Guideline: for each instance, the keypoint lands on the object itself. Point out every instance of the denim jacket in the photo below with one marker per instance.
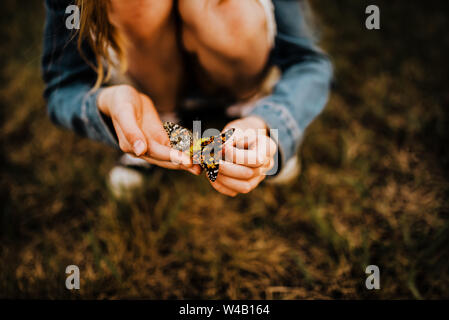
(298, 97)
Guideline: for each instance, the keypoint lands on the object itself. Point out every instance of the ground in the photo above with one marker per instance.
(373, 189)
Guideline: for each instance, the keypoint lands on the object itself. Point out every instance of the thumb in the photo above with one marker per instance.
(130, 128)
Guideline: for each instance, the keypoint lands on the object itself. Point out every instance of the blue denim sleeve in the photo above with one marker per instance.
(69, 79)
(302, 92)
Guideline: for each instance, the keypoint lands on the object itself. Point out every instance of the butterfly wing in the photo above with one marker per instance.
(225, 136)
(212, 171)
(210, 159)
(180, 137)
(210, 154)
(206, 141)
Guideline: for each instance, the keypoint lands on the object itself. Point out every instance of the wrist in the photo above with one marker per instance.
(103, 99)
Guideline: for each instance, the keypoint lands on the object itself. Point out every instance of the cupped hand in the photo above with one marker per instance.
(248, 156)
(139, 129)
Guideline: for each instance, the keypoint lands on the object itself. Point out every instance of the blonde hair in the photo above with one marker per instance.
(102, 36)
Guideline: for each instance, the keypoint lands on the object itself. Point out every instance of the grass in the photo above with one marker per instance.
(373, 190)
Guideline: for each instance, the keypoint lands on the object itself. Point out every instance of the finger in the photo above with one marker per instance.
(222, 189)
(161, 152)
(250, 158)
(237, 171)
(240, 186)
(163, 164)
(124, 145)
(265, 147)
(268, 167)
(271, 147)
(196, 169)
(154, 150)
(244, 139)
(126, 120)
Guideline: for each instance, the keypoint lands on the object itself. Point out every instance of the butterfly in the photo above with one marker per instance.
(204, 151)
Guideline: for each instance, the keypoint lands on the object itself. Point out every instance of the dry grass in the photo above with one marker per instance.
(373, 190)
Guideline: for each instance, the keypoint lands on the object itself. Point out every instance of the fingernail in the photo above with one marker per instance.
(139, 147)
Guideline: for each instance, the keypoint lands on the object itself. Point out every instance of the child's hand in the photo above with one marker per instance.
(139, 129)
(248, 156)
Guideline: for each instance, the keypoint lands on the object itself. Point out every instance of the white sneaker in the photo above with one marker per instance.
(122, 181)
(127, 176)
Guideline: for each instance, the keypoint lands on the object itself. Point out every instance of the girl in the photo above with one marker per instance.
(135, 62)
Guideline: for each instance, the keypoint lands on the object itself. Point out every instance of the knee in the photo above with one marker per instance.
(234, 29)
